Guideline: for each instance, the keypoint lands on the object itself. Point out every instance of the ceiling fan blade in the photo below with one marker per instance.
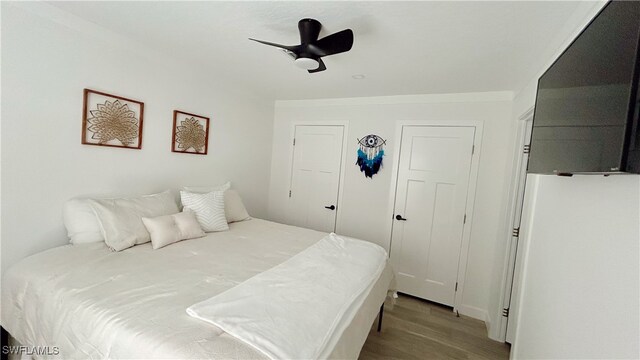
(321, 67)
(290, 48)
(309, 30)
(334, 44)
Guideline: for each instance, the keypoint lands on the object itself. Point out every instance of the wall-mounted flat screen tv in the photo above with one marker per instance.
(587, 105)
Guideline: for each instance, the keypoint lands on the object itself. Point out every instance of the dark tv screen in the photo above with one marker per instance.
(584, 100)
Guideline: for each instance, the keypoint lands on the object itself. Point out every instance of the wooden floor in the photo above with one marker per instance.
(418, 329)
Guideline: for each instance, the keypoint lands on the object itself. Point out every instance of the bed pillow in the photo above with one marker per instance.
(207, 189)
(168, 229)
(81, 222)
(209, 209)
(121, 219)
(234, 208)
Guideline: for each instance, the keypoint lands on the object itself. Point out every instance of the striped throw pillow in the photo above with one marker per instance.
(209, 209)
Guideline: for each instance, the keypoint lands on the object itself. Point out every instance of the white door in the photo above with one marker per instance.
(315, 176)
(429, 216)
(514, 269)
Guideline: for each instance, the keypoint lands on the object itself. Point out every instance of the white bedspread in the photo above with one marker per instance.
(299, 309)
(93, 303)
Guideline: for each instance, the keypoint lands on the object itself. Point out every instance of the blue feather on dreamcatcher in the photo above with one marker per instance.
(370, 154)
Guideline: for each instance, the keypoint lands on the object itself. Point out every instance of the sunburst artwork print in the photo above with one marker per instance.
(190, 133)
(111, 120)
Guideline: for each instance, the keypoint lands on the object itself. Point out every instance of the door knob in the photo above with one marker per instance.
(399, 217)
(332, 207)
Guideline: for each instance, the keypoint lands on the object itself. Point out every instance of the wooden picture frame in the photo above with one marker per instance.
(111, 120)
(190, 133)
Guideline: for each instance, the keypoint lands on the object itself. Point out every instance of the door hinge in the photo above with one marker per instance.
(464, 221)
(289, 193)
(294, 141)
(473, 149)
(526, 149)
(505, 312)
(456, 286)
(516, 232)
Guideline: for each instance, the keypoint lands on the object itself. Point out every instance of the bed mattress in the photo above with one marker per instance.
(91, 302)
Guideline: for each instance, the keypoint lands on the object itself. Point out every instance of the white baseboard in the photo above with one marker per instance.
(476, 313)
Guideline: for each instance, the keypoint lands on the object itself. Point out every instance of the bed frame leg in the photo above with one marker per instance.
(380, 317)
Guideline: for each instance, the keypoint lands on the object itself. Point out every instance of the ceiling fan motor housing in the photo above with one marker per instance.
(309, 30)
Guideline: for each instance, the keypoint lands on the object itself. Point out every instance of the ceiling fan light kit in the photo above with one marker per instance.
(308, 55)
(306, 63)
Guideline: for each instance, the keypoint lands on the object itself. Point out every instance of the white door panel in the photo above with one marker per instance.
(315, 176)
(431, 193)
(515, 254)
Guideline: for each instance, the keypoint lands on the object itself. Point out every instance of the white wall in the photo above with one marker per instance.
(365, 209)
(580, 248)
(46, 65)
(580, 292)
(523, 101)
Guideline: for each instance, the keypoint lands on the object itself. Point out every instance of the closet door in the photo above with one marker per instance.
(429, 214)
(315, 176)
(514, 275)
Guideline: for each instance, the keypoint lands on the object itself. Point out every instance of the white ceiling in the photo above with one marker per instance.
(400, 47)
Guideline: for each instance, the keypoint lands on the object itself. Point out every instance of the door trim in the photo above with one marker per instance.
(471, 190)
(343, 157)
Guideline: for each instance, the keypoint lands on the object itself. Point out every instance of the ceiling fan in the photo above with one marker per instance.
(308, 55)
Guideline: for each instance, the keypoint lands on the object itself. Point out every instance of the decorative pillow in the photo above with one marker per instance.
(121, 219)
(207, 189)
(81, 222)
(234, 208)
(168, 229)
(209, 209)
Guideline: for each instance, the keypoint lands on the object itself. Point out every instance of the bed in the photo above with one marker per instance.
(91, 302)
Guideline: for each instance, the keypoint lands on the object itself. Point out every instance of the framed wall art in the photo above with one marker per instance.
(110, 120)
(190, 133)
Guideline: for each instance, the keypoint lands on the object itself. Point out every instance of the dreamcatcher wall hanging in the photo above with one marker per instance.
(370, 154)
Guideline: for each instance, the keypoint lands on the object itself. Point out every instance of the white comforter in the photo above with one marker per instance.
(94, 303)
(299, 309)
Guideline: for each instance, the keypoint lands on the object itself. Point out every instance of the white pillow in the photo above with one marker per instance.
(207, 189)
(81, 222)
(121, 219)
(209, 209)
(168, 229)
(234, 208)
